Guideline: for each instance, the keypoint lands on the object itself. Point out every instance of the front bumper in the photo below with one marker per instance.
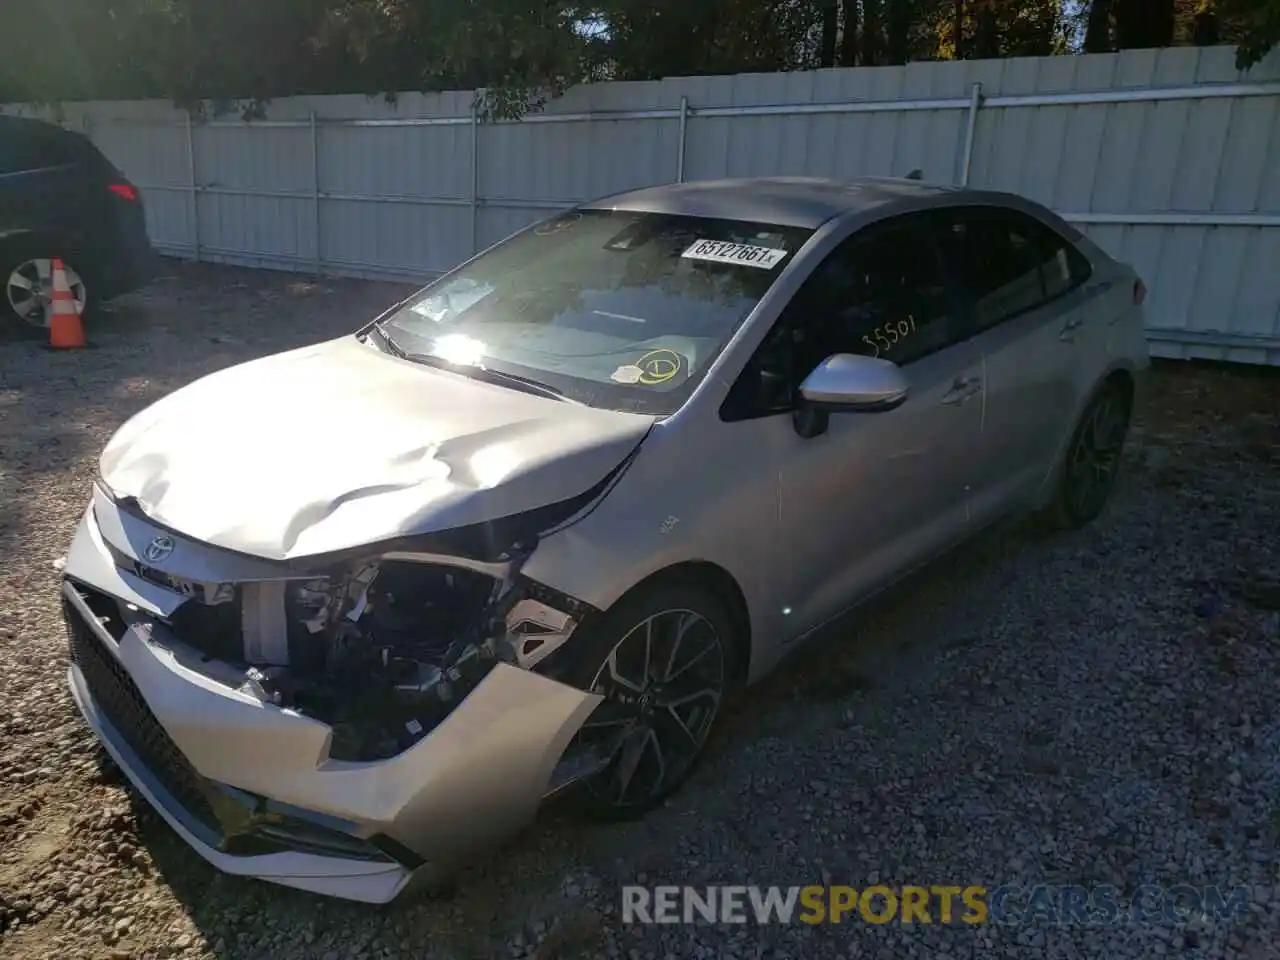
(250, 786)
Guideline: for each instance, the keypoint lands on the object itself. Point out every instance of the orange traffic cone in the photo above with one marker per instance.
(65, 329)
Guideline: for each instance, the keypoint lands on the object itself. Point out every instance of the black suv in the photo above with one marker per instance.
(60, 197)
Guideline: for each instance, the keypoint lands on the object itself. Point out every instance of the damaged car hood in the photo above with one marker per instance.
(337, 445)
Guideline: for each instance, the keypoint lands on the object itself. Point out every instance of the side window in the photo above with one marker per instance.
(52, 150)
(1065, 267)
(882, 293)
(20, 152)
(1006, 263)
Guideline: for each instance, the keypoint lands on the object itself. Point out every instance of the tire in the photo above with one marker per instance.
(655, 729)
(1092, 463)
(26, 282)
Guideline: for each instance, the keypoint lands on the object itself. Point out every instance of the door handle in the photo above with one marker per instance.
(962, 390)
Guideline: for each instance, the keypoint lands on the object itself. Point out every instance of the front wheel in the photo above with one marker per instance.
(1093, 459)
(663, 661)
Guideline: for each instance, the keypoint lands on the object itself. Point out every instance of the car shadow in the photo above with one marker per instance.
(853, 652)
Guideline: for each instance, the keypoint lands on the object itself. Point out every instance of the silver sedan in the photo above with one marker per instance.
(348, 614)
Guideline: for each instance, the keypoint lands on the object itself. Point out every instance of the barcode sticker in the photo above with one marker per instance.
(742, 254)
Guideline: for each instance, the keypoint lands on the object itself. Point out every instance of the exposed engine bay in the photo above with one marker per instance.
(380, 651)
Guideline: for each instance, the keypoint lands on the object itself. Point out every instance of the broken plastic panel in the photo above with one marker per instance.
(381, 651)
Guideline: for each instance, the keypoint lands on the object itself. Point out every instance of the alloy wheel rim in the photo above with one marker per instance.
(1095, 458)
(29, 290)
(663, 684)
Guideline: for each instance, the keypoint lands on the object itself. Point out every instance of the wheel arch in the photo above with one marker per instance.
(1123, 378)
(1120, 374)
(720, 582)
(34, 241)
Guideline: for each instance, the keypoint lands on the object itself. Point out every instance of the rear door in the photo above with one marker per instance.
(1025, 292)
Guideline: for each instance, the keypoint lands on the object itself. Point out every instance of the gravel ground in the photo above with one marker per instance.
(1096, 708)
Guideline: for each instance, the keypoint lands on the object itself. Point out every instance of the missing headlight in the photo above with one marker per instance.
(383, 651)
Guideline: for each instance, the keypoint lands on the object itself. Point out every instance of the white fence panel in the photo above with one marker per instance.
(1170, 159)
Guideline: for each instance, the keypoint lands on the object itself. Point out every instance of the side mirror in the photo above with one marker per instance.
(848, 383)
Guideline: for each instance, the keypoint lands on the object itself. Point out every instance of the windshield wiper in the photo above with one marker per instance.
(476, 372)
(393, 348)
(515, 380)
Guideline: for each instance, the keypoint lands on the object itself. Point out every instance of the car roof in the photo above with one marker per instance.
(805, 202)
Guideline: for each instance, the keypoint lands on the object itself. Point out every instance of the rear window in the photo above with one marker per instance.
(614, 309)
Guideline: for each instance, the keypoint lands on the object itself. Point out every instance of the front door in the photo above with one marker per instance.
(880, 493)
(876, 493)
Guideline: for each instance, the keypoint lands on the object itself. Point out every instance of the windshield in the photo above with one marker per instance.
(612, 309)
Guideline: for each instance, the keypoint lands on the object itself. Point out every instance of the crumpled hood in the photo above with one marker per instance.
(337, 445)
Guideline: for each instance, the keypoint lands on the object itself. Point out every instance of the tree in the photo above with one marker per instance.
(1097, 36)
(986, 34)
(648, 39)
(1143, 23)
(521, 50)
(1253, 25)
(849, 34)
(872, 37)
(214, 53)
(1205, 29)
(830, 28)
(899, 15)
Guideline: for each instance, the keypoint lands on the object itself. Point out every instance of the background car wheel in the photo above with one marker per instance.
(663, 659)
(26, 287)
(1093, 459)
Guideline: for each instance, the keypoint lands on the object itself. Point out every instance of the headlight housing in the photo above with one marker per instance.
(383, 649)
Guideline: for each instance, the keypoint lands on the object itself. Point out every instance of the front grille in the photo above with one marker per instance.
(118, 697)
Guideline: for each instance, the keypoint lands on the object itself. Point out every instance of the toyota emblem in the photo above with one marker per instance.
(158, 549)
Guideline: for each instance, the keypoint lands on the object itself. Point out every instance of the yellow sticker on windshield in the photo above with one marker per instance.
(659, 366)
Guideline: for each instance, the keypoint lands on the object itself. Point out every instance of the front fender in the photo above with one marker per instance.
(662, 513)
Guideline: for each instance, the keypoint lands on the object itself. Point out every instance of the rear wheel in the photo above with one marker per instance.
(27, 278)
(1093, 459)
(662, 660)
